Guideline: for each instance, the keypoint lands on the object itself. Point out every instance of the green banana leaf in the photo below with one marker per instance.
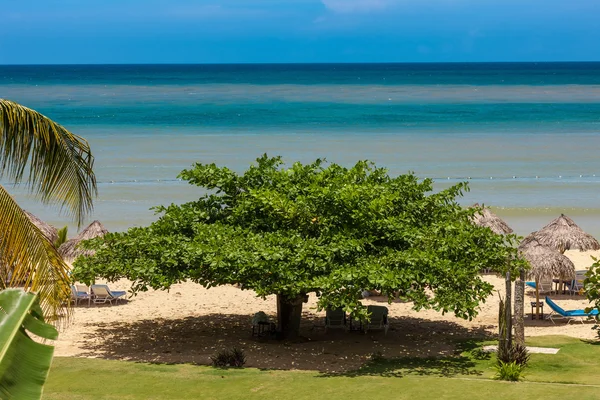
(24, 363)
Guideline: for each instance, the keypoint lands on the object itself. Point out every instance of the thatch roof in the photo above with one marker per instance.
(563, 234)
(70, 251)
(488, 219)
(546, 262)
(48, 230)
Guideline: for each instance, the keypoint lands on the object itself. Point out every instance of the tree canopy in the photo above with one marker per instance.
(319, 228)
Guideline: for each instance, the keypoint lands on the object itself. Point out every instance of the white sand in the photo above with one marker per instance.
(189, 323)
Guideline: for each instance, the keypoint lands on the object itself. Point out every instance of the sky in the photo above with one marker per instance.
(284, 31)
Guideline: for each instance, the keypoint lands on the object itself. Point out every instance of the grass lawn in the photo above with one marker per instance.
(573, 372)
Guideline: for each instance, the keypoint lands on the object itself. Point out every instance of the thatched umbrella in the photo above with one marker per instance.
(546, 263)
(70, 250)
(48, 230)
(563, 234)
(488, 219)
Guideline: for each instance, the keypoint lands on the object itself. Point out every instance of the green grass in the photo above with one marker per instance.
(464, 376)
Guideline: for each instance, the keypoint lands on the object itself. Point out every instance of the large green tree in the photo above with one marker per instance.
(309, 228)
(56, 165)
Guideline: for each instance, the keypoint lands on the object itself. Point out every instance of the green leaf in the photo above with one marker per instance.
(24, 363)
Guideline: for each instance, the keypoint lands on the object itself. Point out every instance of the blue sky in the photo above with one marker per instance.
(234, 31)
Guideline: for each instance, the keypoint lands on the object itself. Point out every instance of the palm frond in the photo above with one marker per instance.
(29, 260)
(61, 236)
(60, 163)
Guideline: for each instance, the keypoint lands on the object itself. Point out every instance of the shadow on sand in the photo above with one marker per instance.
(431, 347)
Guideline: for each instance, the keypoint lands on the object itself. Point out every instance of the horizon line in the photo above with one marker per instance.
(307, 63)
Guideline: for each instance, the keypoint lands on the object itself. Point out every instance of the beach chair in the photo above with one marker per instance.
(102, 294)
(262, 325)
(545, 286)
(335, 319)
(559, 313)
(576, 285)
(378, 320)
(79, 293)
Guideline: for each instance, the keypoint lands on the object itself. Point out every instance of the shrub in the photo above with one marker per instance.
(229, 358)
(516, 353)
(508, 371)
(520, 355)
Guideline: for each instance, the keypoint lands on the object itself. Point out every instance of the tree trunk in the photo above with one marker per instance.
(289, 315)
(508, 310)
(520, 309)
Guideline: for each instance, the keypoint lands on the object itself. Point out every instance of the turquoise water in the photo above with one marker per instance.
(524, 135)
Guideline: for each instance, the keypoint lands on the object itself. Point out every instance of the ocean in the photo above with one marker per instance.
(524, 135)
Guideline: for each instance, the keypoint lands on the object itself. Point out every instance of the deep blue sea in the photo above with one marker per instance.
(525, 135)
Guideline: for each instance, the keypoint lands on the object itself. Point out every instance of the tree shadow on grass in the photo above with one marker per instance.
(400, 367)
(462, 363)
(422, 345)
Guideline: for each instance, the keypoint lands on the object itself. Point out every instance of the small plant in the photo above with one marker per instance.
(516, 353)
(229, 358)
(520, 355)
(508, 371)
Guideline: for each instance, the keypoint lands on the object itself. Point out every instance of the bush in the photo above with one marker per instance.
(516, 353)
(508, 371)
(229, 358)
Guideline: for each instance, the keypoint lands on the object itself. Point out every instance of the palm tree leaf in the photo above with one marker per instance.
(28, 259)
(24, 363)
(60, 163)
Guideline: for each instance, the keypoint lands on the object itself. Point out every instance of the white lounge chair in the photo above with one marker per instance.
(577, 284)
(545, 286)
(102, 294)
(378, 318)
(79, 293)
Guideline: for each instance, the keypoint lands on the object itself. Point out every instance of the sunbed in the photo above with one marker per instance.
(545, 286)
(79, 293)
(559, 313)
(378, 318)
(102, 294)
(335, 319)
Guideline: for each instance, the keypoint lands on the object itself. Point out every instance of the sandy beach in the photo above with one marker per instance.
(189, 323)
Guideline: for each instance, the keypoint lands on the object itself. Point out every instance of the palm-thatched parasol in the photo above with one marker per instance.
(48, 230)
(546, 263)
(488, 219)
(70, 250)
(563, 234)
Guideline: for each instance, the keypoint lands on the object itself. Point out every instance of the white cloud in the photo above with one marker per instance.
(352, 6)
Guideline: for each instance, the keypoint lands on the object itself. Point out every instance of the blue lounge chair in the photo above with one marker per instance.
(559, 313)
(79, 293)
